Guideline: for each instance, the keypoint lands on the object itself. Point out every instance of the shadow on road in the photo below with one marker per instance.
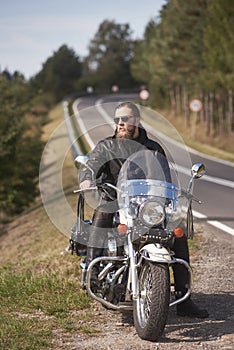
(219, 323)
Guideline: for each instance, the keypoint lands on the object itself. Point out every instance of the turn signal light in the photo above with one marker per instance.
(178, 232)
(122, 229)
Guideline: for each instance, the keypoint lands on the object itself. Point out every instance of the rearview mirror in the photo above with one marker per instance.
(198, 170)
(81, 159)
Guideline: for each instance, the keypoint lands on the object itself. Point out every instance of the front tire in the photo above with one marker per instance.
(150, 310)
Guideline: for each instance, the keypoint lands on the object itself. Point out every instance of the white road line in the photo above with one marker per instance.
(71, 136)
(208, 178)
(221, 226)
(81, 124)
(214, 223)
(105, 115)
(219, 181)
(199, 215)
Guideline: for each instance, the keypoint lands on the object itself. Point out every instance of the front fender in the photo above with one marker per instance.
(156, 253)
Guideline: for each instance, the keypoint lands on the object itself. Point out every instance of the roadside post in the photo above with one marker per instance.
(115, 88)
(144, 96)
(195, 106)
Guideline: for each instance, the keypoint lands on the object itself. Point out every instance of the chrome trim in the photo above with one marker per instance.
(118, 272)
(149, 187)
(126, 307)
(142, 208)
(185, 263)
(132, 269)
(105, 271)
(88, 286)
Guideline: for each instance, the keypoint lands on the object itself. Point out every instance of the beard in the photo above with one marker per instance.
(126, 134)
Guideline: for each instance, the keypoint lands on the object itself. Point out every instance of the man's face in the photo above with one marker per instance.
(126, 128)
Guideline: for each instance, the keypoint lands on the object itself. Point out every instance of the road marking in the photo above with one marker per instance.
(208, 178)
(199, 215)
(219, 181)
(108, 119)
(75, 147)
(81, 124)
(221, 226)
(214, 223)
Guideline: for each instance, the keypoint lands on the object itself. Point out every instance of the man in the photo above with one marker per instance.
(106, 160)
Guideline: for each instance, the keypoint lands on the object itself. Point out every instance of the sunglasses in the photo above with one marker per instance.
(124, 118)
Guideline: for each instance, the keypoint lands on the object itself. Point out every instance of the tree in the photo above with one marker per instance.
(110, 53)
(20, 148)
(188, 52)
(140, 62)
(219, 58)
(59, 74)
(219, 42)
(171, 53)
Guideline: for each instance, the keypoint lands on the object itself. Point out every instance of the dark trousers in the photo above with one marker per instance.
(181, 274)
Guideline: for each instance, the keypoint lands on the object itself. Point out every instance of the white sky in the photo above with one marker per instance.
(31, 30)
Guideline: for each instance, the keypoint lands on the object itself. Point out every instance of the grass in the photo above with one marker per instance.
(36, 301)
(217, 146)
(40, 296)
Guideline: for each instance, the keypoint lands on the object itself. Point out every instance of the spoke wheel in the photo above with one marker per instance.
(150, 310)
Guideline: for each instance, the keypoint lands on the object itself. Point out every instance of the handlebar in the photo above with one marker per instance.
(101, 187)
(86, 189)
(190, 196)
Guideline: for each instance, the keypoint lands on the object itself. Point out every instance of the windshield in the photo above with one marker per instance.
(148, 175)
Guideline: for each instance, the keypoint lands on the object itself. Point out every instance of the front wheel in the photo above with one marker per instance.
(150, 309)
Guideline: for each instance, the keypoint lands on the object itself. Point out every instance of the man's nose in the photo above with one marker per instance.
(120, 121)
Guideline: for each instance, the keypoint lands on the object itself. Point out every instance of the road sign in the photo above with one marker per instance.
(89, 89)
(115, 88)
(144, 94)
(195, 105)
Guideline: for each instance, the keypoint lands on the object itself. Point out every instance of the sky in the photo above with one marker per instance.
(32, 30)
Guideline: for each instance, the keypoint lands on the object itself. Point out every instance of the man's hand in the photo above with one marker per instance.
(85, 184)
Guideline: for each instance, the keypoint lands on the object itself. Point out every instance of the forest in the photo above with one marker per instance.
(186, 52)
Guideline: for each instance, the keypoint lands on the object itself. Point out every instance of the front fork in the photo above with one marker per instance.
(133, 273)
(133, 278)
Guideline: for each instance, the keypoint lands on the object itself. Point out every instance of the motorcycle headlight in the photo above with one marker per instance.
(151, 213)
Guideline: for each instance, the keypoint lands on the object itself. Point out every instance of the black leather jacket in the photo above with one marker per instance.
(109, 155)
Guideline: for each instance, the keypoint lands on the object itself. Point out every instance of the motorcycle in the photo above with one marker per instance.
(134, 272)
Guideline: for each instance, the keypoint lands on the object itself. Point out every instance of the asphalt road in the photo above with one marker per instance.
(215, 189)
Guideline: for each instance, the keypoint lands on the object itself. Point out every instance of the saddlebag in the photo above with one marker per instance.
(79, 237)
(80, 230)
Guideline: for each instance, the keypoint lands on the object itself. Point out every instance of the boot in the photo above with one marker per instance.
(190, 309)
(181, 276)
(102, 220)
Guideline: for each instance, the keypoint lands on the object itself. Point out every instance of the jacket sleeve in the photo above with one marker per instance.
(97, 161)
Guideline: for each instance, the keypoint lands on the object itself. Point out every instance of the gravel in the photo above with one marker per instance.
(212, 289)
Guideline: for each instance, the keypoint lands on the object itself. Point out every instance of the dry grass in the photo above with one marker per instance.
(39, 290)
(220, 146)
